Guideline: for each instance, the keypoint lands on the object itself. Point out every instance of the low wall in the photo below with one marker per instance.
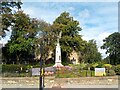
(63, 82)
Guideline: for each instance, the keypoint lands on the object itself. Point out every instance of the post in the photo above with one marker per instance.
(41, 83)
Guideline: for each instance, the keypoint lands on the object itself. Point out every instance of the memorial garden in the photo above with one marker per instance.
(37, 48)
(58, 45)
(33, 40)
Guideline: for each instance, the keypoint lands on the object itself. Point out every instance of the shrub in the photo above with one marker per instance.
(92, 73)
(15, 70)
(48, 65)
(36, 66)
(29, 67)
(86, 67)
(110, 73)
(79, 66)
(82, 65)
(93, 66)
(64, 73)
(117, 69)
(9, 68)
(86, 73)
(100, 65)
(12, 68)
(113, 67)
(108, 66)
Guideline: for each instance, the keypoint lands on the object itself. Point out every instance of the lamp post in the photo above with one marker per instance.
(41, 78)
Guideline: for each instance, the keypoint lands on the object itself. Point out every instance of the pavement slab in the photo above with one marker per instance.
(57, 83)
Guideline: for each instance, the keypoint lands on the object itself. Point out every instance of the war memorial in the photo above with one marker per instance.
(59, 45)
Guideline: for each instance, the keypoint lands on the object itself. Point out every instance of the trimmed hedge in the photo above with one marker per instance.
(11, 68)
(110, 73)
(117, 69)
(78, 70)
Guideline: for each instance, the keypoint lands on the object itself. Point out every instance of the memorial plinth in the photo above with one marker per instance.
(58, 56)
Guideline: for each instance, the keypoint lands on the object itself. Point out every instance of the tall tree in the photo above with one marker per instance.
(91, 54)
(22, 40)
(45, 39)
(7, 9)
(70, 38)
(112, 45)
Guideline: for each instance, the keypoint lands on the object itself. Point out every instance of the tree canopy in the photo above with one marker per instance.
(70, 38)
(7, 9)
(29, 33)
(91, 54)
(112, 46)
(23, 39)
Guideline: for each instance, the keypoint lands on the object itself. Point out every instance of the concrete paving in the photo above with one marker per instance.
(52, 82)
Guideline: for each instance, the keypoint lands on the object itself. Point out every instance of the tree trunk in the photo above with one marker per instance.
(18, 59)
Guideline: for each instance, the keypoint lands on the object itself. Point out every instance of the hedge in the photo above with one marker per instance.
(14, 68)
(117, 69)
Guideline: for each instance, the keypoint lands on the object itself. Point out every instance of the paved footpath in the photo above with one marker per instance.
(58, 83)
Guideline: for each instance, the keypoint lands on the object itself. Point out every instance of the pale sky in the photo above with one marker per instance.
(97, 19)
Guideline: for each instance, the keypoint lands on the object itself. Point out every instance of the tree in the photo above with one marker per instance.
(112, 46)
(91, 54)
(22, 40)
(70, 38)
(27, 33)
(106, 60)
(7, 9)
(45, 39)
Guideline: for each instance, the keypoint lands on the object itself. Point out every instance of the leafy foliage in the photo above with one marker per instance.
(112, 45)
(28, 33)
(23, 38)
(8, 8)
(70, 38)
(90, 53)
(117, 69)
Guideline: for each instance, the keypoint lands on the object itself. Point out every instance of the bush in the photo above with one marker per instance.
(81, 66)
(36, 66)
(108, 66)
(9, 68)
(29, 67)
(100, 65)
(48, 65)
(15, 70)
(82, 73)
(12, 68)
(64, 73)
(86, 67)
(93, 66)
(117, 69)
(110, 73)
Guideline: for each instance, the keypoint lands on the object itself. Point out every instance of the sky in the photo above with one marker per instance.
(97, 19)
